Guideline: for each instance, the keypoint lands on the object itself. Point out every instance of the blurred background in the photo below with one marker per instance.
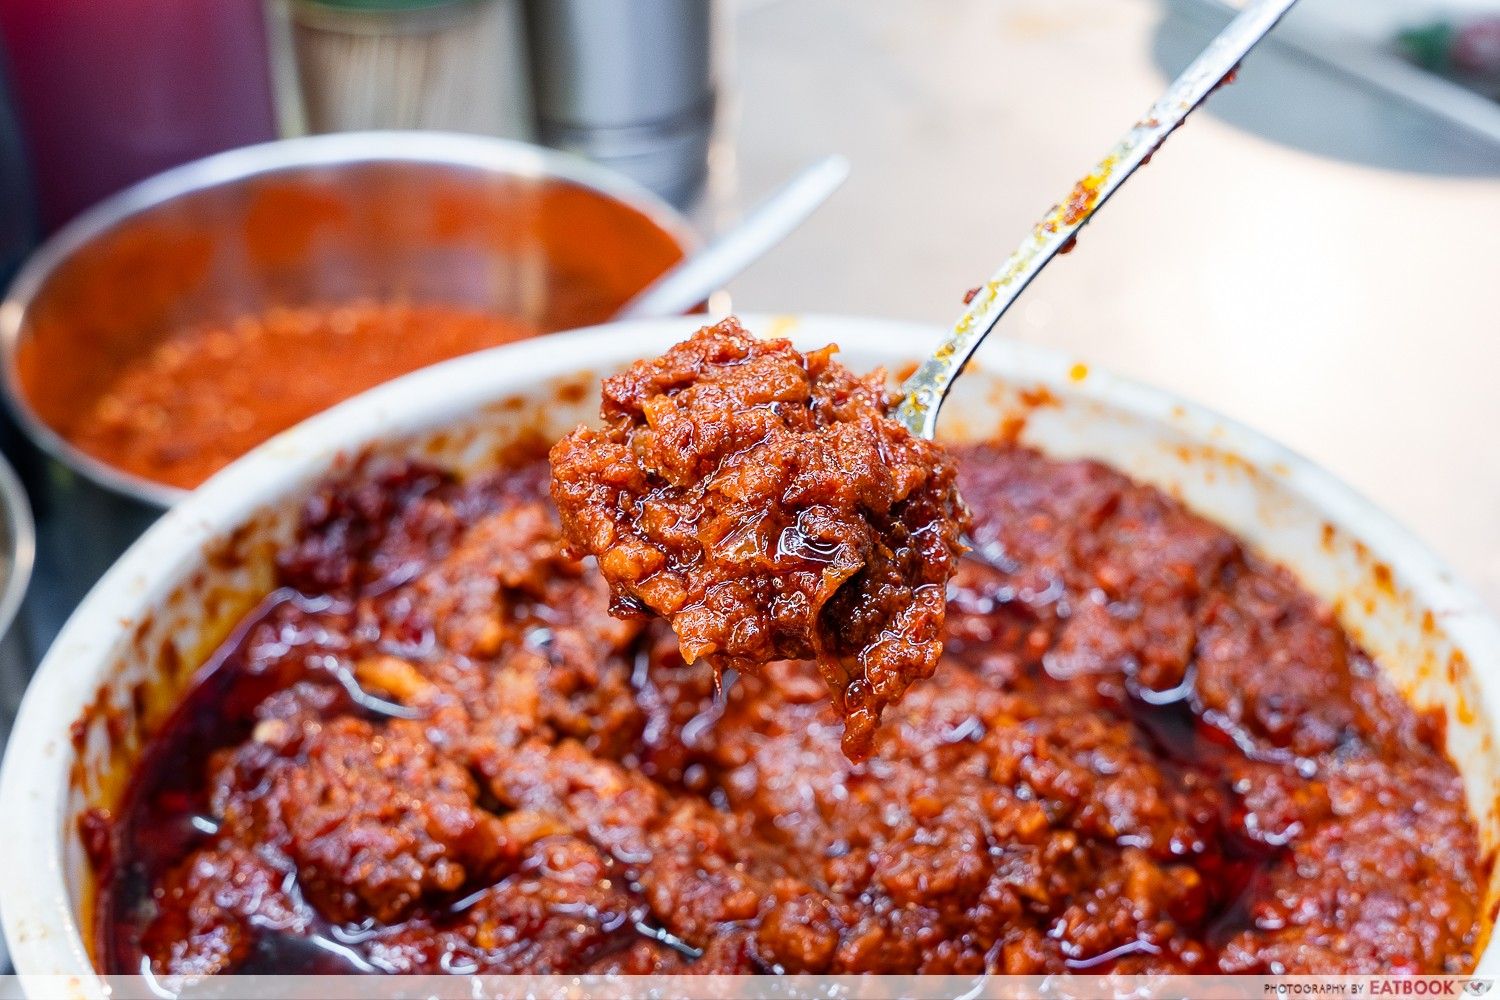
(1317, 255)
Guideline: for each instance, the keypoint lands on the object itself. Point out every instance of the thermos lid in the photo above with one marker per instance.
(619, 63)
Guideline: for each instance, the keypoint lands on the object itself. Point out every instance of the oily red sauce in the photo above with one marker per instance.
(434, 750)
(762, 501)
(198, 400)
(191, 284)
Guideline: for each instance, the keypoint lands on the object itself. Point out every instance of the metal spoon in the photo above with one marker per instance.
(923, 393)
(691, 281)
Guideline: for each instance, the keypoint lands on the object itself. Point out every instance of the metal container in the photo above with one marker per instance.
(628, 83)
(17, 554)
(429, 217)
(343, 65)
(17, 551)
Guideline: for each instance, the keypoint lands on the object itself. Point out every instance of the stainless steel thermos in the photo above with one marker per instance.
(629, 83)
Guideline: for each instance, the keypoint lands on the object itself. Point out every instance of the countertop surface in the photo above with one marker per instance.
(1308, 256)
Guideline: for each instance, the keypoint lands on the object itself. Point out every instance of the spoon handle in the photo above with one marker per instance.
(693, 280)
(923, 393)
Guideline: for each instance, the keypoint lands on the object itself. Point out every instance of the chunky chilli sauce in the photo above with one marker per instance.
(761, 500)
(433, 749)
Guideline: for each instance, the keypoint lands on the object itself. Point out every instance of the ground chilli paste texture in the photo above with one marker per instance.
(763, 503)
(182, 410)
(434, 750)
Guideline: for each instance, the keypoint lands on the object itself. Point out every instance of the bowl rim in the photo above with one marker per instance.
(44, 935)
(477, 152)
(20, 540)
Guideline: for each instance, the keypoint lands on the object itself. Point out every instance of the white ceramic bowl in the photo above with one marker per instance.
(129, 651)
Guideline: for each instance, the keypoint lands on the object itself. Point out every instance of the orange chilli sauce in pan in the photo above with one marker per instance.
(201, 399)
(174, 343)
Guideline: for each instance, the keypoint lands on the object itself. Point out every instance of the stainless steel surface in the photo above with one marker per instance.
(620, 63)
(17, 554)
(458, 65)
(17, 557)
(1365, 337)
(762, 228)
(924, 392)
(629, 83)
(421, 216)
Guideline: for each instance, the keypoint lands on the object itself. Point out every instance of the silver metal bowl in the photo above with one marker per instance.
(17, 554)
(426, 217)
